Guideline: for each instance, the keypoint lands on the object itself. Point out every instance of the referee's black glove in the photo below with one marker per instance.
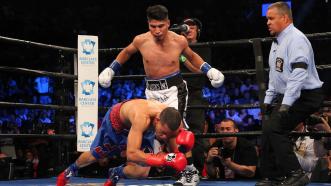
(283, 109)
(266, 109)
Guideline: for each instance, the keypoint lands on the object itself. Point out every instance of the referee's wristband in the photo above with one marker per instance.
(116, 66)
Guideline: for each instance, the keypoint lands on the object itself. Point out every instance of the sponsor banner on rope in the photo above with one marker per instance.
(87, 100)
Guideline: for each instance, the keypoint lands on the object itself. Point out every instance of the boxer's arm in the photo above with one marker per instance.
(193, 57)
(192, 68)
(135, 137)
(134, 154)
(106, 76)
(215, 76)
(183, 60)
(173, 145)
(128, 51)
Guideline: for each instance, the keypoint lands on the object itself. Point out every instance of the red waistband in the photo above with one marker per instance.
(115, 118)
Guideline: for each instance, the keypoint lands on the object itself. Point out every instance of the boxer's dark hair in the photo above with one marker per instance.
(171, 117)
(157, 12)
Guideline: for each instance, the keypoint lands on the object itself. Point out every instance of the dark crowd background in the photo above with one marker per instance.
(59, 23)
(116, 24)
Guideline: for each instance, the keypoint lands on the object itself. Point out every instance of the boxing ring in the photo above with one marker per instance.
(259, 71)
(130, 182)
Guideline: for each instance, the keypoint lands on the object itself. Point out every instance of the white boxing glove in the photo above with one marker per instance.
(215, 76)
(105, 77)
(108, 73)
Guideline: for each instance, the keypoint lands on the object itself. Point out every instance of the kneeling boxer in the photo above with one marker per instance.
(132, 126)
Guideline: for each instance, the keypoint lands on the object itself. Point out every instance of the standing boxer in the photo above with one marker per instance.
(160, 50)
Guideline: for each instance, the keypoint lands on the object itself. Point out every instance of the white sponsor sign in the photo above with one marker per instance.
(87, 102)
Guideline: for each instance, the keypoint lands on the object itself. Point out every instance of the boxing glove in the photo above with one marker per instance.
(175, 160)
(185, 140)
(108, 73)
(215, 76)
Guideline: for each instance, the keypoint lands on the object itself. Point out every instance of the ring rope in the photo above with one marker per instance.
(42, 45)
(236, 106)
(135, 77)
(74, 108)
(38, 72)
(258, 133)
(198, 135)
(105, 50)
(53, 136)
(200, 44)
(38, 106)
(250, 41)
(214, 43)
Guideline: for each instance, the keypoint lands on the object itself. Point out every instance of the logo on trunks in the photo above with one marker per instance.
(88, 46)
(87, 129)
(157, 84)
(87, 87)
(170, 156)
(279, 64)
(162, 98)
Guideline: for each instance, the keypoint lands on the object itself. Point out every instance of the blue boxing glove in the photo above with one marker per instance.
(215, 76)
(108, 73)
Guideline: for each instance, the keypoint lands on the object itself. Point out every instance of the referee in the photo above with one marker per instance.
(296, 88)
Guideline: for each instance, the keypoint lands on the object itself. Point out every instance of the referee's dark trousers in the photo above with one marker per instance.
(277, 156)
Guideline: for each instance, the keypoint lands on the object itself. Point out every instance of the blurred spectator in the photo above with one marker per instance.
(43, 88)
(231, 157)
(41, 84)
(3, 155)
(50, 131)
(245, 99)
(311, 154)
(5, 161)
(322, 145)
(45, 117)
(248, 86)
(234, 115)
(39, 90)
(12, 90)
(304, 148)
(31, 164)
(255, 112)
